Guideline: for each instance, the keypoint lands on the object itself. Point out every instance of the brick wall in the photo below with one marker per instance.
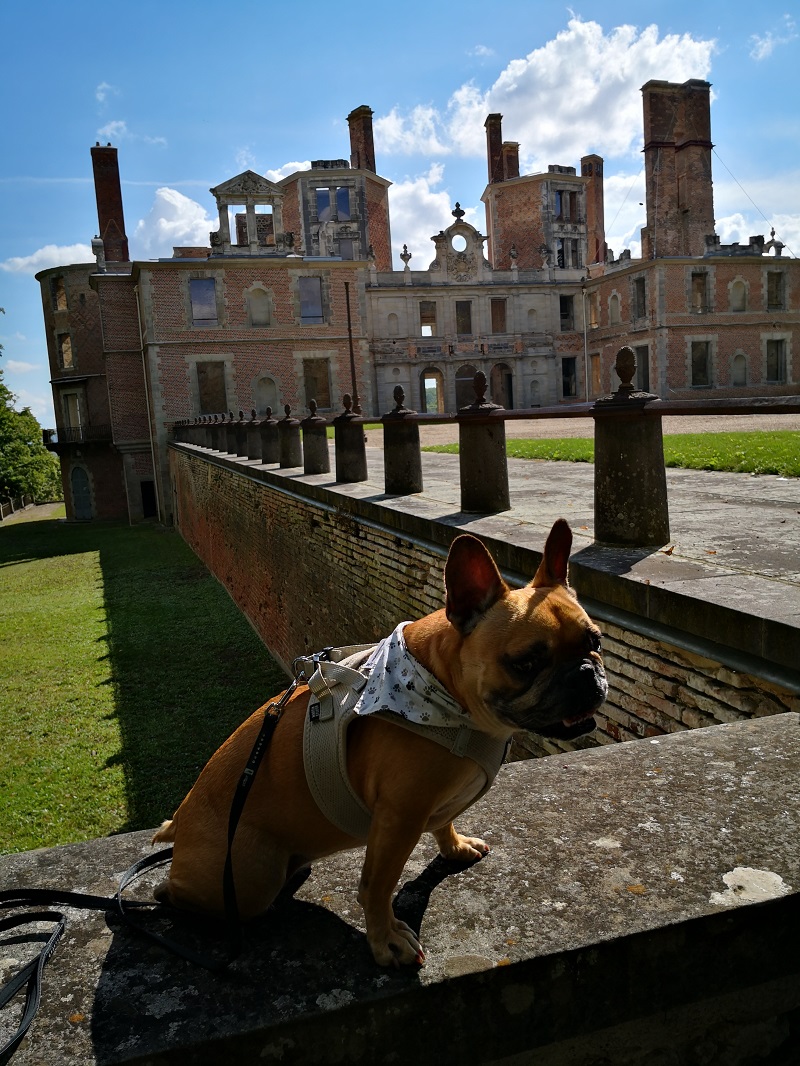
(308, 574)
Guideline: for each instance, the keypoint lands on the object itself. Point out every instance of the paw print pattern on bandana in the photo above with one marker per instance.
(399, 684)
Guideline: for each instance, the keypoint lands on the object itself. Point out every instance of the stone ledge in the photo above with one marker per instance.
(607, 926)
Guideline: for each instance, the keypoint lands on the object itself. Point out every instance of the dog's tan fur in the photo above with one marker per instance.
(476, 647)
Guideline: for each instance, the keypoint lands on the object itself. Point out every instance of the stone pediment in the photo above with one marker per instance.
(459, 253)
(247, 186)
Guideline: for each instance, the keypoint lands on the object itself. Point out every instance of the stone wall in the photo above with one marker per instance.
(309, 574)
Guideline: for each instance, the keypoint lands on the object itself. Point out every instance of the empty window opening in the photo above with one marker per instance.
(464, 317)
(568, 255)
(432, 391)
(70, 405)
(149, 508)
(265, 226)
(203, 297)
(639, 298)
(310, 301)
(566, 205)
(65, 355)
(343, 204)
(701, 364)
(566, 309)
(346, 248)
(775, 293)
(642, 367)
(776, 361)
(700, 293)
(58, 294)
(569, 377)
(427, 318)
(498, 308)
(211, 392)
(316, 381)
(502, 385)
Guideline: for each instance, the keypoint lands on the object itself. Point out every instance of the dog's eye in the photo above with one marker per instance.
(527, 666)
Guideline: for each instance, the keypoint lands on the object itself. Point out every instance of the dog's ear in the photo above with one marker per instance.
(472, 581)
(555, 561)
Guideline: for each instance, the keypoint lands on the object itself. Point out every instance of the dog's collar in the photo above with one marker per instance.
(399, 684)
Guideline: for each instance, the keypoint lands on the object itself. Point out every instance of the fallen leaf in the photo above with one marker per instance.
(711, 552)
(668, 551)
(77, 1018)
(637, 890)
(504, 962)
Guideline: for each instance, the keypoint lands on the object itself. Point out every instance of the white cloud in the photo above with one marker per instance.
(419, 209)
(50, 256)
(481, 51)
(40, 404)
(245, 160)
(286, 170)
(117, 130)
(420, 133)
(762, 46)
(578, 93)
(103, 91)
(17, 366)
(173, 220)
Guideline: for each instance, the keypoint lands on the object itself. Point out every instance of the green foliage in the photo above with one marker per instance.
(756, 452)
(27, 468)
(125, 665)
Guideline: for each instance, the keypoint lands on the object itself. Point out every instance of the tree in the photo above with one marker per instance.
(27, 468)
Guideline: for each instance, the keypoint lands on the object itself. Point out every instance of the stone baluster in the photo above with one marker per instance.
(630, 482)
(241, 435)
(482, 454)
(254, 437)
(316, 457)
(291, 449)
(351, 453)
(270, 438)
(402, 459)
(230, 435)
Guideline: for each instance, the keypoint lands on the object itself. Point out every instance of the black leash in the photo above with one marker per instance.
(30, 976)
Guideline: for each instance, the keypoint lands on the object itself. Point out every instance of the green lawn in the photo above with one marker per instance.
(124, 664)
(758, 452)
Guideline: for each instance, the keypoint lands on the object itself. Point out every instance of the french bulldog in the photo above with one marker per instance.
(511, 659)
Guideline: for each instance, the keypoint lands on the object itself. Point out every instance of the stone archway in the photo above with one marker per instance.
(502, 385)
(431, 389)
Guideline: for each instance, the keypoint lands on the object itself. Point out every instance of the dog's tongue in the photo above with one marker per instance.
(562, 731)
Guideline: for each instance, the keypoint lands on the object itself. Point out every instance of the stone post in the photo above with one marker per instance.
(482, 454)
(253, 437)
(289, 436)
(402, 459)
(630, 482)
(270, 438)
(217, 435)
(229, 443)
(316, 457)
(240, 430)
(351, 453)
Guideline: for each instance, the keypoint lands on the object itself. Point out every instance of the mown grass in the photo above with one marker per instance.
(123, 666)
(757, 452)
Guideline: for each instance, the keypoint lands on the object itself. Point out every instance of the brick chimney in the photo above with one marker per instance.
(592, 168)
(108, 193)
(510, 159)
(677, 156)
(494, 147)
(362, 148)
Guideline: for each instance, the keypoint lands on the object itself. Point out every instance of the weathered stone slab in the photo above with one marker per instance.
(640, 900)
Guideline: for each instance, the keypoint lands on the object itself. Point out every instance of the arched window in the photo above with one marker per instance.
(81, 494)
(258, 307)
(532, 320)
(738, 295)
(266, 395)
(431, 383)
(739, 369)
(465, 393)
(536, 394)
(394, 325)
(502, 385)
(613, 309)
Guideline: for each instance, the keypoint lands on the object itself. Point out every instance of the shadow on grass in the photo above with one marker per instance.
(185, 665)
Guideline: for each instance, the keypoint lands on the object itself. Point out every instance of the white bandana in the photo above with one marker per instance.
(401, 685)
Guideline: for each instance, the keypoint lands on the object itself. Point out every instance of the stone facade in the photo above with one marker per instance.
(539, 304)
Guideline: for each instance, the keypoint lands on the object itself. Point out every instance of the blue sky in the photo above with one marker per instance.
(193, 93)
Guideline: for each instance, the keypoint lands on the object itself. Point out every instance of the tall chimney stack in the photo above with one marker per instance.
(362, 148)
(108, 193)
(494, 147)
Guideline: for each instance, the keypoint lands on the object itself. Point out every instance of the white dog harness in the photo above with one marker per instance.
(385, 680)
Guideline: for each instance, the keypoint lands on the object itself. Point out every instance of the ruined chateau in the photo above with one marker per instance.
(297, 285)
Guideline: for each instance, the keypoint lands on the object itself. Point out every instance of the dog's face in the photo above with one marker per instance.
(530, 658)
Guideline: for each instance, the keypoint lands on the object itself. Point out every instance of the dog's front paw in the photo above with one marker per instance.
(399, 947)
(457, 848)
